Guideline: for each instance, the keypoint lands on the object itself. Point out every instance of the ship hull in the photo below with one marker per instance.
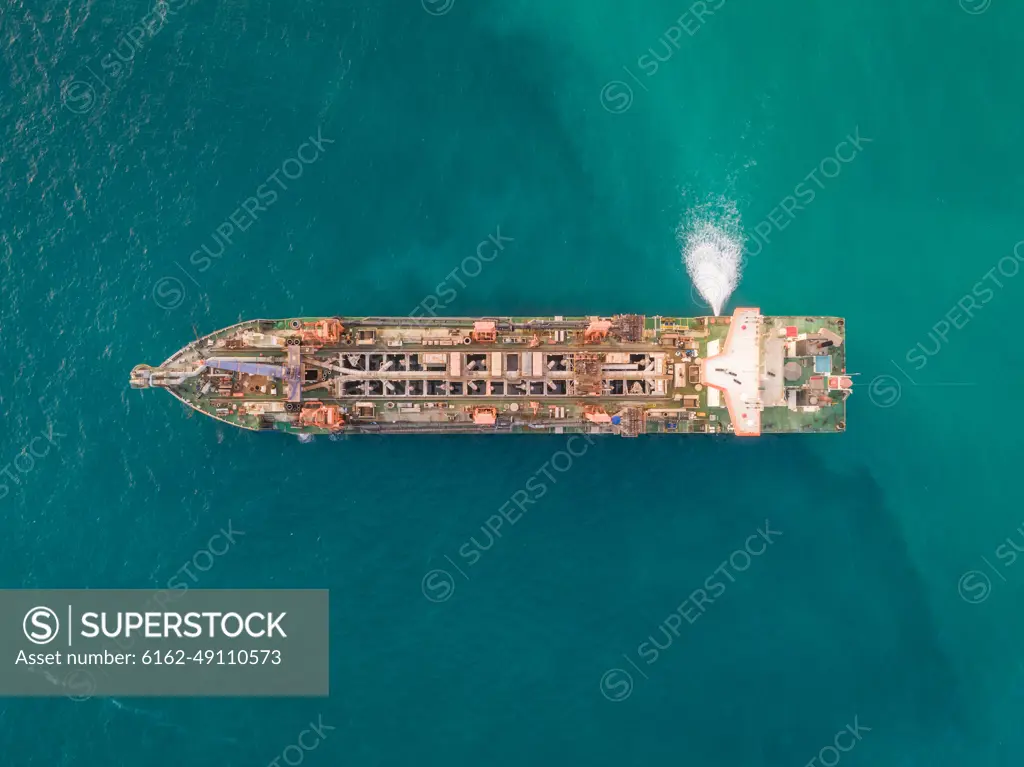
(747, 375)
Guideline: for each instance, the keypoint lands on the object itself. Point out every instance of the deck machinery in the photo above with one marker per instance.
(625, 374)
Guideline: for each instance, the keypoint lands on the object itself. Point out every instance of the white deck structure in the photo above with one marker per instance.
(737, 372)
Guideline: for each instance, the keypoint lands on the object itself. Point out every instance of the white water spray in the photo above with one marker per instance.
(712, 248)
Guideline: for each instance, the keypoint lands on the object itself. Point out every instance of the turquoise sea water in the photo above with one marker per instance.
(588, 132)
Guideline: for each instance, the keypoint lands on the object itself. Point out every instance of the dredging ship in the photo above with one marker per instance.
(625, 374)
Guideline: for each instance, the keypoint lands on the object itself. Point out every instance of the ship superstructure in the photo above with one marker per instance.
(625, 374)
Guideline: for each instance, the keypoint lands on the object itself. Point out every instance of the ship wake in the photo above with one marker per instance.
(712, 249)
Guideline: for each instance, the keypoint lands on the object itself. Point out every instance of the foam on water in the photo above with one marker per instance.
(711, 242)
